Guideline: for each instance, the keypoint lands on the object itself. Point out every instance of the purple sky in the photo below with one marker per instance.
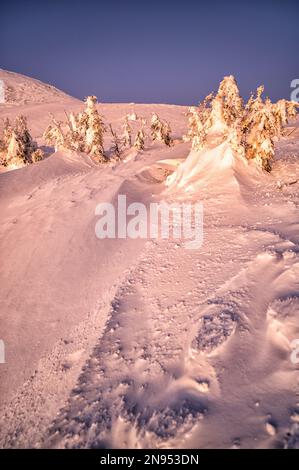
(152, 51)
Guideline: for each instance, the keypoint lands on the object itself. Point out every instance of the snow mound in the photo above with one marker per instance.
(219, 166)
(22, 181)
(20, 90)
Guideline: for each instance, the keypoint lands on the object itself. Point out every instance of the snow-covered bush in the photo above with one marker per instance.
(17, 147)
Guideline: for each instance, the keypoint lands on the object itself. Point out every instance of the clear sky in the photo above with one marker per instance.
(152, 51)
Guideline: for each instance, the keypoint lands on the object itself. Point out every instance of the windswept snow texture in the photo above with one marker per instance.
(144, 343)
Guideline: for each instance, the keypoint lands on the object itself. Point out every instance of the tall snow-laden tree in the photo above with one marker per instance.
(232, 103)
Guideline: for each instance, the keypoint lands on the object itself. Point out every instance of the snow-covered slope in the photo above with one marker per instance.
(143, 343)
(19, 90)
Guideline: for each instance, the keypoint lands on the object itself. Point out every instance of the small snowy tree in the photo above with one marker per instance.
(54, 135)
(166, 131)
(292, 107)
(4, 141)
(15, 157)
(160, 130)
(37, 155)
(139, 142)
(24, 136)
(199, 123)
(17, 146)
(127, 134)
(116, 143)
(192, 115)
(156, 128)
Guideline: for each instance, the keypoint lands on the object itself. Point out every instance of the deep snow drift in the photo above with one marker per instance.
(143, 343)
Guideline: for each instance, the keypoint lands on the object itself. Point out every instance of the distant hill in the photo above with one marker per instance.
(20, 90)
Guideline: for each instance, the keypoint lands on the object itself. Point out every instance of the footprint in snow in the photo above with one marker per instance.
(215, 328)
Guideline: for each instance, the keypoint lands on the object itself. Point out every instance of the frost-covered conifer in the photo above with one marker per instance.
(259, 140)
(292, 107)
(166, 131)
(193, 117)
(199, 120)
(139, 142)
(17, 147)
(217, 117)
(24, 136)
(160, 130)
(156, 128)
(127, 135)
(54, 135)
(232, 103)
(37, 155)
(116, 143)
(15, 152)
(95, 130)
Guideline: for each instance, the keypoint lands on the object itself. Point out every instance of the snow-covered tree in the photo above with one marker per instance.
(95, 130)
(249, 130)
(116, 143)
(156, 128)
(127, 133)
(54, 135)
(4, 140)
(261, 132)
(24, 136)
(15, 152)
(17, 147)
(192, 115)
(37, 155)
(217, 121)
(82, 132)
(232, 103)
(166, 134)
(160, 130)
(199, 122)
(139, 142)
(292, 107)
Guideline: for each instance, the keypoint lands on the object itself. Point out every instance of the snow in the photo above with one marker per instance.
(143, 343)
(20, 90)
